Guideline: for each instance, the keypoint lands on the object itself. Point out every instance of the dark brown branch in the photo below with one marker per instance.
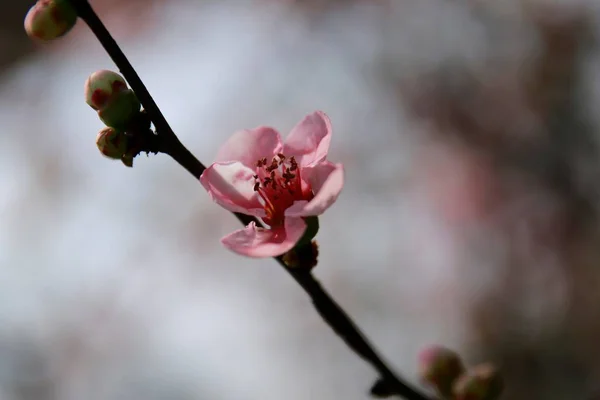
(167, 142)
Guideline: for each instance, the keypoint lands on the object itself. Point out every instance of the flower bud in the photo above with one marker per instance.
(102, 87)
(120, 110)
(112, 143)
(440, 367)
(483, 382)
(50, 19)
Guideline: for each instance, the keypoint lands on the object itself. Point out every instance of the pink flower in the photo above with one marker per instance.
(281, 183)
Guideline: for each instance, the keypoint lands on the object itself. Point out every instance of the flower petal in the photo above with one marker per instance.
(249, 145)
(326, 180)
(231, 185)
(309, 140)
(253, 241)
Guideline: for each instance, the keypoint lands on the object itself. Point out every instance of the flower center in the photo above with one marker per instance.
(279, 184)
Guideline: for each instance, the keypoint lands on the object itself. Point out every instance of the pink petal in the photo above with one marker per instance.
(309, 140)
(249, 145)
(326, 180)
(231, 185)
(253, 241)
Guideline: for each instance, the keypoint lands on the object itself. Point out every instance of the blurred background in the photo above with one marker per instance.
(469, 133)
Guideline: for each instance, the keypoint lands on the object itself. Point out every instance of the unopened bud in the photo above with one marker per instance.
(483, 382)
(50, 19)
(102, 87)
(120, 110)
(112, 143)
(107, 92)
(440, 367)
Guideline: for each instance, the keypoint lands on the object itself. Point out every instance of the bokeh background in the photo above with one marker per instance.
(469, 132)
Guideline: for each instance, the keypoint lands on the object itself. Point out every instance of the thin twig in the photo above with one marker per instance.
(326, 306)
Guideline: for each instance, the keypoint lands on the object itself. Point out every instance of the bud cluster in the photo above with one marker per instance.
(444, 371)
(118, 107)
(105, 91)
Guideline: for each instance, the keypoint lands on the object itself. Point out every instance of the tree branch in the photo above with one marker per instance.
(389, 384)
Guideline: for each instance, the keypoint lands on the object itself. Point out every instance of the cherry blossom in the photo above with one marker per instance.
(282, 183)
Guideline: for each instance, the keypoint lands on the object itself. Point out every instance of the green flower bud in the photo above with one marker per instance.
(49, 19)
(440, 367)
(121, 110)
(102, 87)
(483, 382)
(112, 143)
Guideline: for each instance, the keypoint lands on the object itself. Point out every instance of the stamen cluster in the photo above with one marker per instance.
(278, 184)
(272, 178)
